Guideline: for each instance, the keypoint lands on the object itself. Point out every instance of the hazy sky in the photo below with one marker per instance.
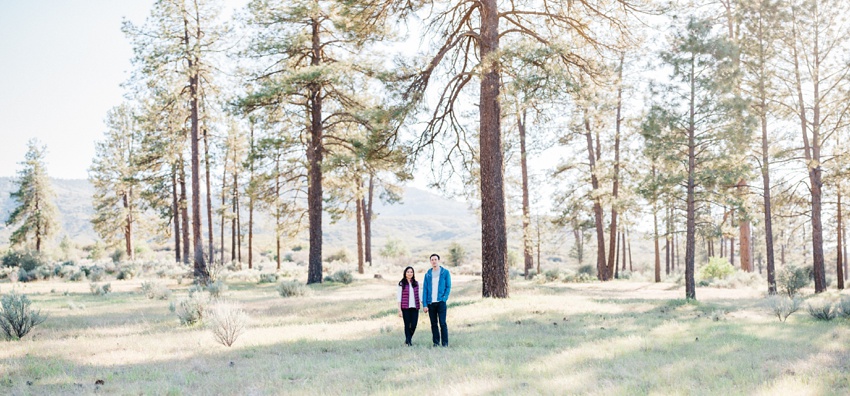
(61, 66)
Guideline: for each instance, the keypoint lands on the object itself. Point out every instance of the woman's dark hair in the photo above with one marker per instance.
(403, 280)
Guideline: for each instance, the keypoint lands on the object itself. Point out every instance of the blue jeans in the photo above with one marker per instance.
(440, 335)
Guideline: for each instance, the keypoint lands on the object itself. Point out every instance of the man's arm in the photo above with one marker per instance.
(448, 285)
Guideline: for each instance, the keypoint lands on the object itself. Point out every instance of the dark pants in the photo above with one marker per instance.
(439, 335)
(411, 318)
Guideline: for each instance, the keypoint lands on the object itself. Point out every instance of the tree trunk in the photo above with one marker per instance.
(128, 225)
(367, 222)
(616, 182)
(200, 266)
(223, 201)
(314, 157)
(234, 209)
(277, 213)
(768, 218)
(655, 233)
(251, 200)
(616, 261)
(494, 240)
(838, 265)
(601, 266)
(623, 248)
(359, 214)
(175, 205)
(526, 215)
(208, 175)
(184, 213)
(690, 287)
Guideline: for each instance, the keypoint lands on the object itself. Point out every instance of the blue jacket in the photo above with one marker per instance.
(445, 287)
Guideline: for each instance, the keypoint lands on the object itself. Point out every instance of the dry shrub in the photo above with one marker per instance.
(292, 289)
(821, 310)
(783, 306)
(227, 322)
(190, 310)
(16, 316)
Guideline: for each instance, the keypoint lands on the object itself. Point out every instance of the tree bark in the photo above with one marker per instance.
(251, 200)
(200, 267)
(367, 221)
(494, 241)
(601, 266)
(314, 157)
(745, 234)
(839, 256)
(655, 233)
(765, 174)
(128, 225)
(690, 287)
(176, 213)
(184, 213)
(526, 212)
(359, 214)
(208, 176)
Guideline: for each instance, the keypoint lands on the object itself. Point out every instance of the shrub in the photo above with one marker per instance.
(16, 316)
(77, 276)
(586, 269)
(268, 278)
(341, 276)
(190, 310)
(100, 290)
(791, 279)
(154, 290)
(216, 289)
(843, 307)
(227, 322)
(821, 310)
(24, 276)
(717, 268)
(456, 254)
(394, 248)
(126, 273)
(783, 306)
(118, 256)
(27, 260)
(552, 275)
(292, 289)
(340, 255)
(94, 273)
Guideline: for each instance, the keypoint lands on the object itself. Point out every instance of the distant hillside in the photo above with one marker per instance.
(423, 221)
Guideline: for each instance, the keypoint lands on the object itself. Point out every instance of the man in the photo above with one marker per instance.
(435, 294)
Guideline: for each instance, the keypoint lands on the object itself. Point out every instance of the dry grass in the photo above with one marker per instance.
(591, 338)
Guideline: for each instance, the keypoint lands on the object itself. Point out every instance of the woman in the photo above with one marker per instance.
(408, 300)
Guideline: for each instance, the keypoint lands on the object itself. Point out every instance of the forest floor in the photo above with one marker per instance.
(620, 337)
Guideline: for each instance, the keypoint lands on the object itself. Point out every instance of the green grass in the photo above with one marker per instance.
(614, 338)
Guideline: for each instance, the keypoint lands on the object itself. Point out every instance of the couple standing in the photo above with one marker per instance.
(435, 293)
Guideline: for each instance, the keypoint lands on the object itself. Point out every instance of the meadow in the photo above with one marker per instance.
(616, 338)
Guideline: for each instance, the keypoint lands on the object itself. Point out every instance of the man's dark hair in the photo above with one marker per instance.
(435, 254)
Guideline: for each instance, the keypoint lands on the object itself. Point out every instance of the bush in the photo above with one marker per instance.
(292, 289)
(843, 307)
(717, 268)
(456, 254)
(24, 276)
(394, 248)
(586, 269)
(341, 276)
(340, 255)
(100, 290)
(77, 276)
(118, 256)
(227, 322)
(822, 310)
(126, 273)
(791, 279)
(191, 310)
(216, 289)
(783, 306)
(27, 260)
(552, 275)
(16, 316)
(268, 278)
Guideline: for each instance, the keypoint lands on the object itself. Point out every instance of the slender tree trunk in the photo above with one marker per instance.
(616, 182)
(208, 175)
(314, 157)
(184, 213)
(655, 233)
(223, 202)
(239, 230)
(200, 266)
(616, 261)
(526, 215)
(175, 205)
(765, 174)
(234, 208)
(812, 155)
(690, 287)
(359, 214)
(601, 266)
(629, 245)
(623, 248)
(277, 211)
(367, 221)
(667, 243)
(839, 268)
(844, 252)
(494, 240)
(128, 225)
(252, 187)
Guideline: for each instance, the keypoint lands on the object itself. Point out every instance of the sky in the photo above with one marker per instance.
(61, 66)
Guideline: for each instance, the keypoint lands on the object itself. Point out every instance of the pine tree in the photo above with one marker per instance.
(113, 176)
(35, 214)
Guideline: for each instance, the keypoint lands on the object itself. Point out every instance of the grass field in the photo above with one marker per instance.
(620, 337)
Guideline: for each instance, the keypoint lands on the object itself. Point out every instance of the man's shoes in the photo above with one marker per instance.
(436, 345)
